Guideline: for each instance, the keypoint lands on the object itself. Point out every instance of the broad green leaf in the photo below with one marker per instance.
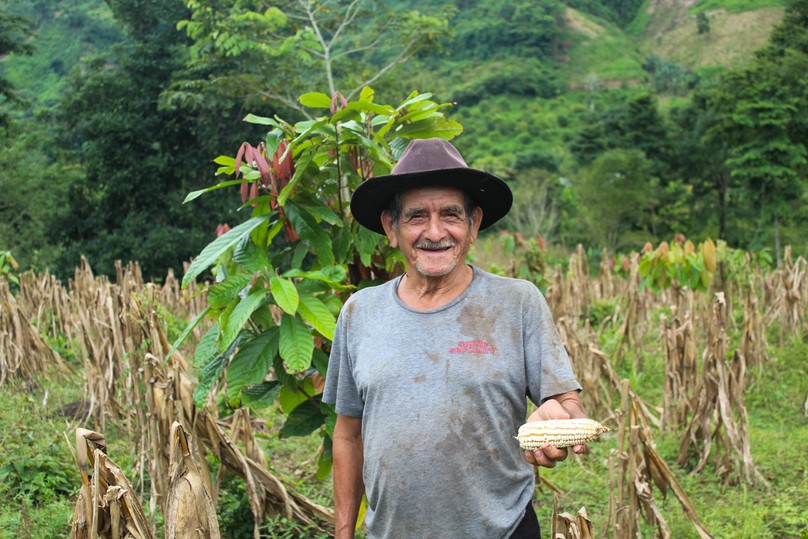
(322, 213)
(291, 397)
(220, 294)
(326, 460)
(311, 233)
(261, 395)
(342, 244)
(261, 120)
(196, 194)
(366, 241)
(296, 344)
(206, 348)
(330, 417)
(367, 106)
(333, 303)
(284, 293)
(413, 98)
(286, 379)
(300, 252)
(303, 420)
(251, 256)
(207, 376)
(239, 316)
(333, 276)
(225, 160)
(187, 331)
(431, 127)
(306, 129)
(366, 93)
(317, 315)
(273, 231)
(315, 100)
(252, 362)
(218, 246)
(319, 360)
(345, 113)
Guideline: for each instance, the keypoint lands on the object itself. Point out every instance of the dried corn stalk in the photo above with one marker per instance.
(681, 369)
(719, 421)
(633, 470)
(606, 286)
(753, 334)
(23, 352)
(106, 507)
(567, 526)
(190, 511)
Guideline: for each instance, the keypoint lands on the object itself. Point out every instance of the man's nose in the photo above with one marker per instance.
(435, 231)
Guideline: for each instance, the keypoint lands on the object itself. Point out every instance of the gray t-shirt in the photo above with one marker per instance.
(441, 394)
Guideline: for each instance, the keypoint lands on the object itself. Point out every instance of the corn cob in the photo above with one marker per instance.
(559, 432)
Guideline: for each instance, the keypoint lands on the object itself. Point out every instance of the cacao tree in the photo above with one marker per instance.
(281, 276)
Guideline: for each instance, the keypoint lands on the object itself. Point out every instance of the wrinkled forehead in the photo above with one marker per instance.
(433, 195)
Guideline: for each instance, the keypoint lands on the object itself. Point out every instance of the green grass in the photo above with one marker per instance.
(85, 27)
(600, 49)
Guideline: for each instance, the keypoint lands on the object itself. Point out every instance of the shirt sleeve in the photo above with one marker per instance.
(340, 386)
(548, 367)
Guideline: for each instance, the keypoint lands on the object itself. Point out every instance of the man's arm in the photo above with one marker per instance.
(348, 483)
(562, 406)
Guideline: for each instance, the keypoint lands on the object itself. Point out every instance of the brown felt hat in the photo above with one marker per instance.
(428, 162)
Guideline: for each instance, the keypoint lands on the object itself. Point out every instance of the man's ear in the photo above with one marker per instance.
(478, 219)
(387, 224)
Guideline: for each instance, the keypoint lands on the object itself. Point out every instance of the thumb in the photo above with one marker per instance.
(550, 409)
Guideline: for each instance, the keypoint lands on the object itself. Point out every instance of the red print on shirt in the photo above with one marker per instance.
(472, 347)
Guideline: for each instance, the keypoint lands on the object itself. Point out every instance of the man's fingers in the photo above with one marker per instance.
(550, 409)
(546, 456)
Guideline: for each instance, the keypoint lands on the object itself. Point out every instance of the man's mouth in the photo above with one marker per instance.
(435, 246)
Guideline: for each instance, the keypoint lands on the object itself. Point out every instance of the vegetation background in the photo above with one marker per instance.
(616, 123)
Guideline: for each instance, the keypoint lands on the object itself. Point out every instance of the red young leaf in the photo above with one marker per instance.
(283, 167)
(337, 99)
(254, 191)
(239, 155)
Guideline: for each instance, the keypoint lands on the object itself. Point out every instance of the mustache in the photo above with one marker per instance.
(426, 244)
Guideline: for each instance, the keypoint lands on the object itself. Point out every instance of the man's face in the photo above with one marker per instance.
(434, 232)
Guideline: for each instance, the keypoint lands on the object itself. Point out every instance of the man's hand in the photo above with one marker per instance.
(563, 406)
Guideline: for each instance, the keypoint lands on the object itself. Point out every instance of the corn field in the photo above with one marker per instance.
(713, 345)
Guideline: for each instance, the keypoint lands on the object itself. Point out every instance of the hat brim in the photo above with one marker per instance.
(490, 192)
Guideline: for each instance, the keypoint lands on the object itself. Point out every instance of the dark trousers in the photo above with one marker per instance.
(529, 526)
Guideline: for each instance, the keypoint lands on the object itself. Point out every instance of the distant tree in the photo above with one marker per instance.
(140, 160)
(699, 151)
(702, 23)
(633, 124)
(14, 32)
(765, 158)
(277, 51)
(617, 197)
(761, 115)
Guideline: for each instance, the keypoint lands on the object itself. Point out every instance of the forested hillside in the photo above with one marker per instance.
(687, 109)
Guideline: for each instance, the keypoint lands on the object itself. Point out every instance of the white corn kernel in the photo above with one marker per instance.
(559, 432)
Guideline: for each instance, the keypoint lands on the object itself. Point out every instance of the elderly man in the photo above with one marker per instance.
(430, 371)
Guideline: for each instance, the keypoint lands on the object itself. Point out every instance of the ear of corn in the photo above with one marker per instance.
(559, 432)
